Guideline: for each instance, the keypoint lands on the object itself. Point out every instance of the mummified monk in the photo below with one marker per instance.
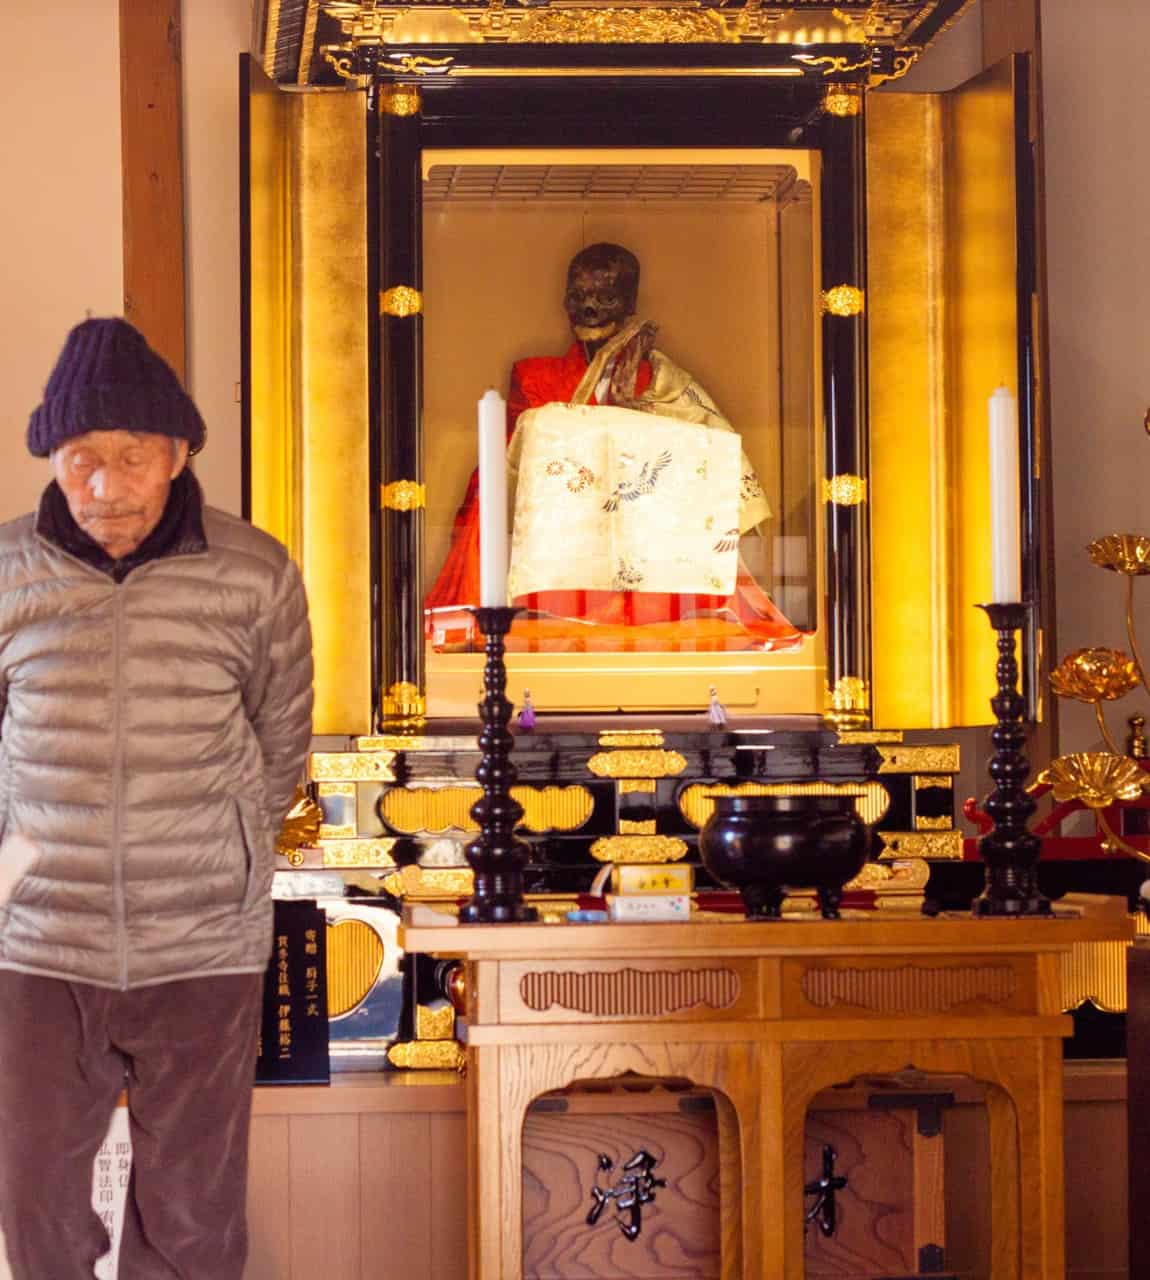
(613, 361)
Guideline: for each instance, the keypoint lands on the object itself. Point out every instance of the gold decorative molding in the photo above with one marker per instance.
(435, 1024)
(400, 100)
(843, 300)
(349, 854)
(301, 828)
(848, 703)
(630, 993)
(906, 877)
(636, 786)
(341, 60)
(910, 989)
(631, 738)
(638, 849)
(395, 742)
(919, 759)
(834, 64)
(872, 799)
(844, 490)
(922, 823)
(903, 61)
(610, 25)
(932, 781)
(430, 883)
(338, 791)
(420, 65)
(940, 845)
(871, 736)
(351, 766)
(403, 704)
(403, 495)
(843, 101)
(355, 954)
(645, 827)
(637, 764)
(401, 300)
(428, 1055)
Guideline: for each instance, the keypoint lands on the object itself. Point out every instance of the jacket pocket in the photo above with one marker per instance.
(257, 880)
(19, 858)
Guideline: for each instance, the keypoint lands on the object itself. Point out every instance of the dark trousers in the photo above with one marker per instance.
(186, 1053)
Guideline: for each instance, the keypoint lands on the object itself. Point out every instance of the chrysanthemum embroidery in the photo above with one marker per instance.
(578, 476)
(644, 483)
(749, 486)
(627, 577)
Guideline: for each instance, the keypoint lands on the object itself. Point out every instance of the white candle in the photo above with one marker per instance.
(1005, 540)
(492, 500)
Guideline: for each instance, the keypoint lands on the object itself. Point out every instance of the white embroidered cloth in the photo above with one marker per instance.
(610, 499)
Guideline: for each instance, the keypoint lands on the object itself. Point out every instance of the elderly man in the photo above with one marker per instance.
(155, 684)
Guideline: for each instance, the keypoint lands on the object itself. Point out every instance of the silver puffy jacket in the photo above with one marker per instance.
(152, 734)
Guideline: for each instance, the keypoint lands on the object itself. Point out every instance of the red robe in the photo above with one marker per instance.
(541, 380)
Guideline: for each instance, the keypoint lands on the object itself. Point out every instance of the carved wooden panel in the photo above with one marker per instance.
(909, 989)
(679, 1228)
(629, 993)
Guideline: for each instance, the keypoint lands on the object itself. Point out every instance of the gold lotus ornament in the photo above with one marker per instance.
(1127, 553)
(1096, 778)
(1096, 675)
(1099, 779)
(301, 827)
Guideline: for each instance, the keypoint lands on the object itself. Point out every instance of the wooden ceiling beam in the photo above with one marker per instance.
(155, 268)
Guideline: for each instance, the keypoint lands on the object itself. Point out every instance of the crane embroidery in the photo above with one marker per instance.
(629, 490)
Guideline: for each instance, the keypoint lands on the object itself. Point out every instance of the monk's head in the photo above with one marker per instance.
(602, 290)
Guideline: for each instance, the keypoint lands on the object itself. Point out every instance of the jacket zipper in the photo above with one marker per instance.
(121, 911)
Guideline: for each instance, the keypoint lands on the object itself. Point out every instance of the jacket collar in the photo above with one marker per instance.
(179, 532)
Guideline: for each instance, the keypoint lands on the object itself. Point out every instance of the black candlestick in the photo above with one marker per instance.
(1010, 850)
(496, 857)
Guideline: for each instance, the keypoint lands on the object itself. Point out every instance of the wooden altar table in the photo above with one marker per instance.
(767, 1015)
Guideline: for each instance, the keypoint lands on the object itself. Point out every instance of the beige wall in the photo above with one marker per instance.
(60, 220)
(63, 233)
(1097, 196)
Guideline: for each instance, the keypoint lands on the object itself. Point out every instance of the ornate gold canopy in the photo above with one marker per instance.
(321, 41)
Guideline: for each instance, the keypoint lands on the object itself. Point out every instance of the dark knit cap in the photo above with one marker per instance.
(108, 379)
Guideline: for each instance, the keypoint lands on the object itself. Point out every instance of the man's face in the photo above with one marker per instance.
(595, 302)
(117, 483)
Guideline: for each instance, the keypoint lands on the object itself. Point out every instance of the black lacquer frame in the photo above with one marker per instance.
(603, 95)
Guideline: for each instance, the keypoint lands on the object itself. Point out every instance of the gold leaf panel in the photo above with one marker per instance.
(871, 803)
(439, 809)
(354, 959)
